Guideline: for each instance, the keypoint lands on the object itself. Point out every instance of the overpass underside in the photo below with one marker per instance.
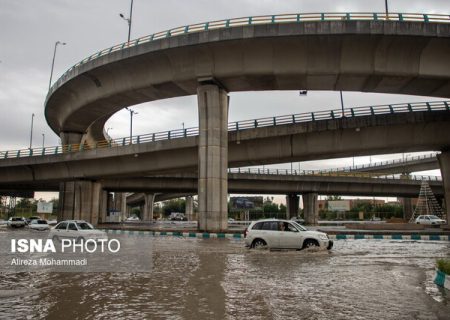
(372, 56)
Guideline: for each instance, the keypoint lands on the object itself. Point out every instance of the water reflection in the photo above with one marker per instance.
(219, 279)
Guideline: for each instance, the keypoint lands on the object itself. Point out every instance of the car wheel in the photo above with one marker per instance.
(55, 239)
(259, 244)
(310, 243)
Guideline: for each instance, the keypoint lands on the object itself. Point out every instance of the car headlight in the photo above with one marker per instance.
(323, 237)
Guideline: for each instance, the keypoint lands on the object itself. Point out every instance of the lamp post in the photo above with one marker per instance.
(31, 131)
(43, 140)
(53, 61)
(128, 20)
(342, 104)
(386, 7)
(132, 112)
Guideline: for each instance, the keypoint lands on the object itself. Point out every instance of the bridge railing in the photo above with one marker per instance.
(256, 20)
(236, 126)
(406, 160)
(293, 172)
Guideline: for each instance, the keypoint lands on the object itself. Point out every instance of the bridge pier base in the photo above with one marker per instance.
(81, 200)
(123, 206)
(189, 210)
(310, 208)
(149, 199)
(212, 158)
(407, 208)
(292, 204)
(444, 164)
(70, 138)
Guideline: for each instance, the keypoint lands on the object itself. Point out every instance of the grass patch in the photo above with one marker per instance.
(443, 265)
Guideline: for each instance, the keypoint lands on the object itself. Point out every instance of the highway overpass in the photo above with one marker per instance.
(407, 54)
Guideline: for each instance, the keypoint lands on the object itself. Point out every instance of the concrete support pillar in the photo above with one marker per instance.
(292, 203)
(103, 206)
(148, 207)
(407, 208)
(444, 164)
(189, 208)
(123, 207)
(213, 157)
(81, 200)
(310, 208)
(70, 137)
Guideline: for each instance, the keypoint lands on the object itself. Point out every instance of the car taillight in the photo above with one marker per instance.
(245, 233)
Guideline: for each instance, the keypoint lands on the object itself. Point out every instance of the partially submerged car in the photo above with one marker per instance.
(429, 220)
(39, 224)
(284, 234)
(79, 230)
(16, 222)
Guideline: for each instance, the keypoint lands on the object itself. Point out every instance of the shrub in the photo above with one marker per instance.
(444, 265)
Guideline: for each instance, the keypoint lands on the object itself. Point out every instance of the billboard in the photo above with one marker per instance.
(339, 205)
(44, 207)
(246, 202)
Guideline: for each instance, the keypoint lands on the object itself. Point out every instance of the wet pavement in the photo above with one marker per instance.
(194, 278)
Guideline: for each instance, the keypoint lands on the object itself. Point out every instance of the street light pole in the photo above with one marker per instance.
(53, 62)
(128, 20)
(43, 140)
(387, 10)
(132, 112)
(31, 131)
(342, 104)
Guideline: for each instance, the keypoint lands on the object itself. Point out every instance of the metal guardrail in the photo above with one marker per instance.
(258, 20)
(320, 173)
(401, 161)
(237, 126)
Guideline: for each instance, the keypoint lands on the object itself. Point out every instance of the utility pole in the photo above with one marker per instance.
(128, 20)
(53, 62)
(31, 131)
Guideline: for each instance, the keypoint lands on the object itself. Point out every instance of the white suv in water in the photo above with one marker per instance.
(284, 234)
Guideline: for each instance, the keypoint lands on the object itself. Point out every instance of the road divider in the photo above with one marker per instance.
(207, 235)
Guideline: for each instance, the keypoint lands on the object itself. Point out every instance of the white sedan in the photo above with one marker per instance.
(430, 220)
(79, 230)
(39, 224)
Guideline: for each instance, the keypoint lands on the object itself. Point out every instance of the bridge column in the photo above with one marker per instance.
(292, 203)
(189, 208)
(444, 164)
(70, 137)
(123, 206)
(81, 200)
(212, 157)
(103, 206)
(310, 208)
(148, 207)
(407, 208)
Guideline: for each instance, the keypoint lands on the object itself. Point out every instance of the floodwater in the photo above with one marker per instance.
(220, 279)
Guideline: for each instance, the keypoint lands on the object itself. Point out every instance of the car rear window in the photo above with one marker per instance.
(84, 226)
(270, 225)
(62, 225)
(257, 226)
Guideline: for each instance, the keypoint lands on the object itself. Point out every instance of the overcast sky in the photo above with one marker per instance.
(29, 30)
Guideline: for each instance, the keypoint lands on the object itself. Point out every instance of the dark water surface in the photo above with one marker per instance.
(220, 279)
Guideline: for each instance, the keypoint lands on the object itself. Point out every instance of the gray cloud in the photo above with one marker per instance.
(29, 29)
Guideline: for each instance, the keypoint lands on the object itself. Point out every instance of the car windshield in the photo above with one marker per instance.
(40, 221)
(16, 219)
(299, 226)
(84, 226)
(434, 218)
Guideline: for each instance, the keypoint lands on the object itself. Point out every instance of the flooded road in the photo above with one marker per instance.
(220, 279)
